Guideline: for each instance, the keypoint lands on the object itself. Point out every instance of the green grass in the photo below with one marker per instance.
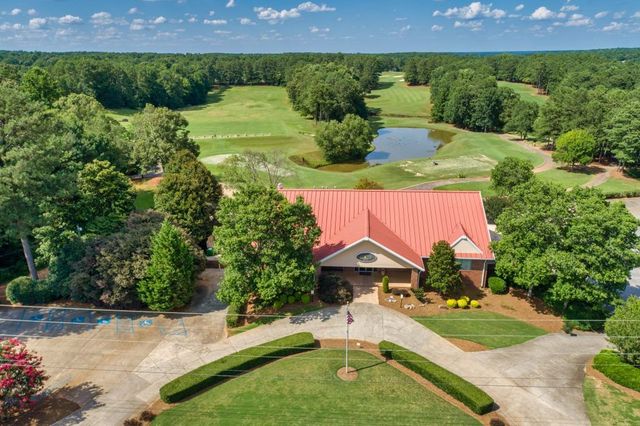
(565, 178)
(395, 98)
(304, 389)
(285, 312)
(260, 118)
(607, 405)
(617, 186)
(484, 187)
(144, 199)
(486, 328)
(527, 92)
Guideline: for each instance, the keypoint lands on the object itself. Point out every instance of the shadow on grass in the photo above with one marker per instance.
(214, 97)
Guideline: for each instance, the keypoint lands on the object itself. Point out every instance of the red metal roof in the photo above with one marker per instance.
(405, 222)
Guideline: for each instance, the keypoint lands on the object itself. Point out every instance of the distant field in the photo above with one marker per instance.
(260, 118)
(526, 92)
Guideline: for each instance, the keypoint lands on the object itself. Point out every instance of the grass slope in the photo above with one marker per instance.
(486, 328)
(260, 118)
(607, 405)
(304, 388)
(527, 92)
(617, 186)
(484, 187)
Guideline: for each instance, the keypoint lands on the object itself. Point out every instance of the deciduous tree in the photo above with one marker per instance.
(623, 330)
(509, 173)
(575, 147)
(345, 141)
(265, 243)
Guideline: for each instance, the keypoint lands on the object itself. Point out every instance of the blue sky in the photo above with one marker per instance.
(331, 26)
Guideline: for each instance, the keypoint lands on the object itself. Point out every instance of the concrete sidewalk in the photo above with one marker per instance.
(539, 382)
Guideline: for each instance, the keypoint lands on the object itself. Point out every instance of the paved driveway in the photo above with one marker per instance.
(539, 382)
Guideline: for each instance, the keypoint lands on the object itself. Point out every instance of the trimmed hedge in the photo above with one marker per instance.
(469, 394)
(234, 365)
(608, 362)
(233, 315)
(498, 285)
(25, 291)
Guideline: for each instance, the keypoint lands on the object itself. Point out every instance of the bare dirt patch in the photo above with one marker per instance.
(348, 375)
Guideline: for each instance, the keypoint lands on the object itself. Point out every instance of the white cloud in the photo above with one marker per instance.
(472, 25)
(133, 11)
(192, 20)
(273, 16)
(601, 15)
(69, 19)
(212, 12)
(221, 32)
(474, 10)
(636, 15)
(159, 20)
(101, 18)
(32, 12)
(614, 26)
(231, 3)
(309, 6)
(246, 21)
(578, 20)
(619, 15)
(15, 12)
(542, 13)
(215, 22)
(137, 25)
(315, 30)
(569, 8)
(436, 28)
(37, 23)
(519, 7)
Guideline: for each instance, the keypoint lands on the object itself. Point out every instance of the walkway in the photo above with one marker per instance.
(539, 382)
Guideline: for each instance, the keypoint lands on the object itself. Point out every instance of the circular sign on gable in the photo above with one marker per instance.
(366, 257)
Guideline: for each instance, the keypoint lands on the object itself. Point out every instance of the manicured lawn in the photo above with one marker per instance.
(484, 187)
(565, 178)
(144, 199)
(486, 328)
(304, 389)
(615, 186)
(395, 98)
(260, 118)
(607, 405)
(527, 93)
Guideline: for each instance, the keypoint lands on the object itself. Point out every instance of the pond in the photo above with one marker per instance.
(394, 144)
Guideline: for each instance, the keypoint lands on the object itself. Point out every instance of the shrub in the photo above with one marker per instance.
(452, 303)
(611, 365)
(291, 299)
(470, 395)
(332, 289)
(467, 299)
(234, 314)
(497, 285)
(475, 304)
(21, 377)
(234, 365)
(462, 304)
(278, 305)
(623, 330)
(26, 291)
(132, 422)
(306, 299)
(147, 416)
(385, 284)
(419, 293)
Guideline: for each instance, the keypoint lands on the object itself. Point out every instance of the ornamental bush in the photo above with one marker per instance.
(25, 291)
(497, 285)
(306, 299)
(623, 330)
(233, 315)
(385, 284)
(333, 289)
(462, 303)
(452, 303)
(475, 304)
(611, 365)
(291, 299)
(21, 377)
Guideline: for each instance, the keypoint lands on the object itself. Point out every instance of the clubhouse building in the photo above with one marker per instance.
(369, 234)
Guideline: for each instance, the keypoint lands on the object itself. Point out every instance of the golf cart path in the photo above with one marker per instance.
(538, 382)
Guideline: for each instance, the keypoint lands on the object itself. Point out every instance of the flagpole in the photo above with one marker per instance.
(346, 356)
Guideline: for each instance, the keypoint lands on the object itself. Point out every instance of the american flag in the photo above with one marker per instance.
(349, 318)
